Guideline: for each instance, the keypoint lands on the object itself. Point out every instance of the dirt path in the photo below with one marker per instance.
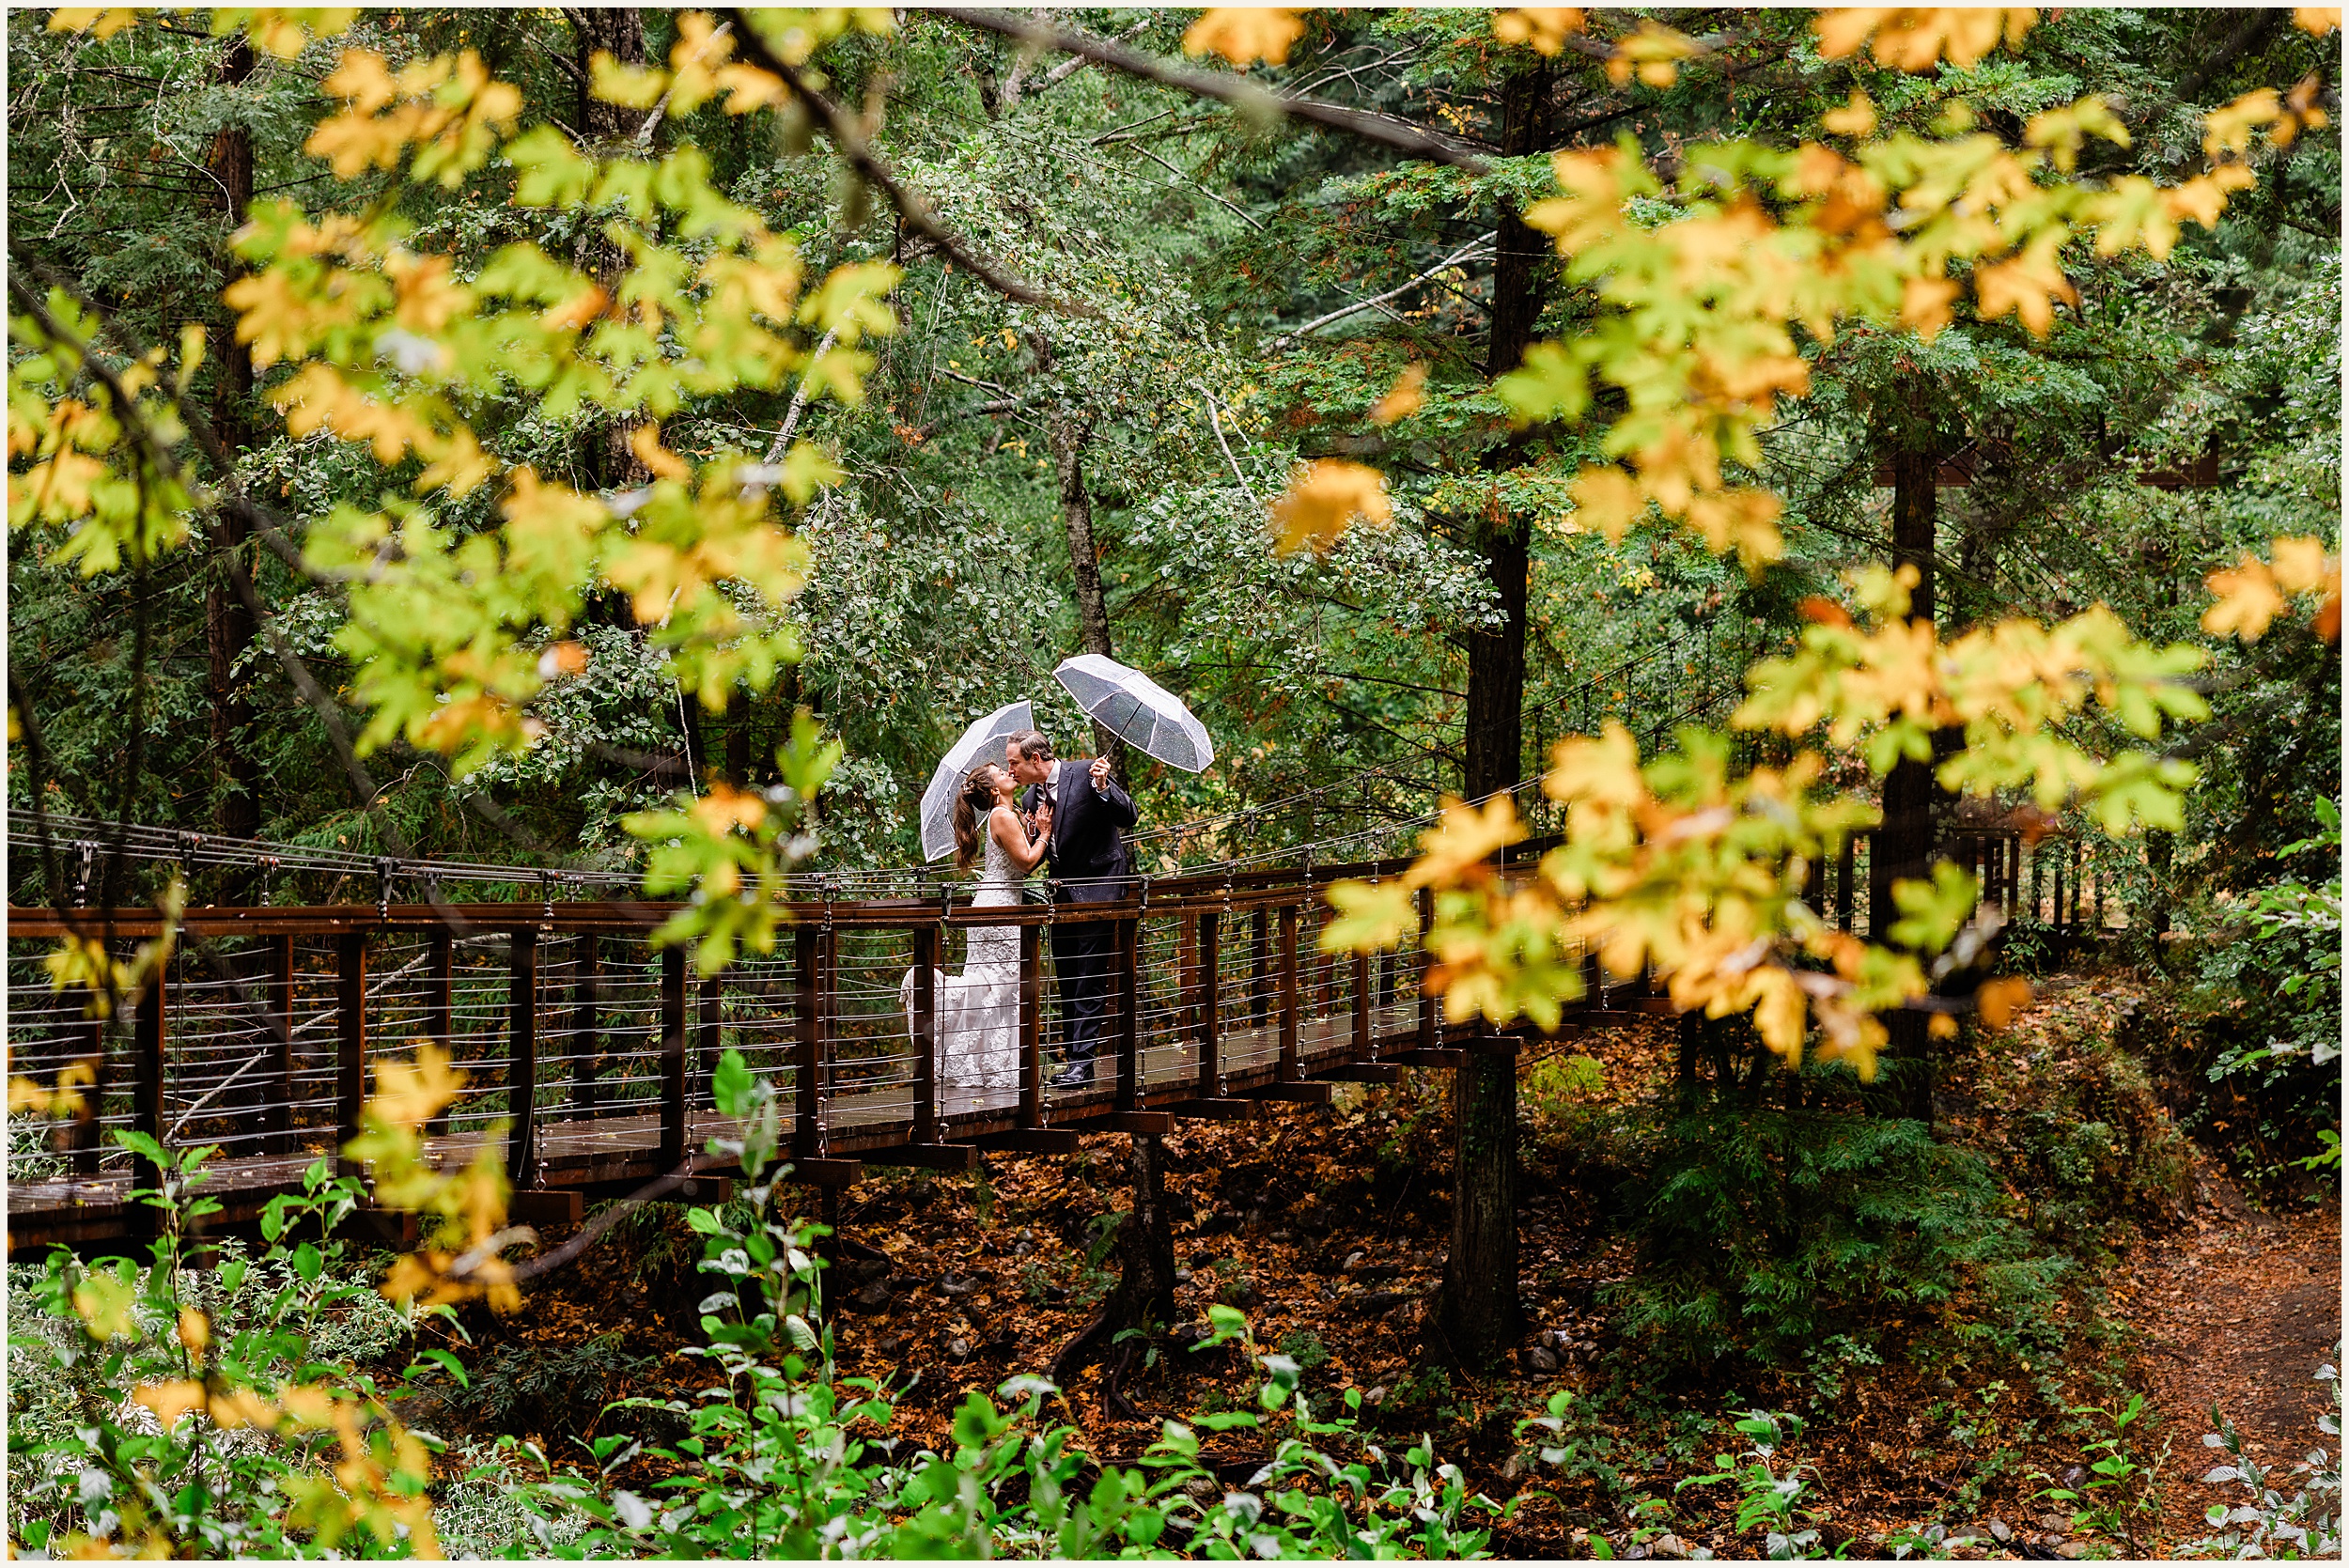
(2240, 1311)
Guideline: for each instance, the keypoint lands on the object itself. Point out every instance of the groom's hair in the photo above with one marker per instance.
(1032, 745)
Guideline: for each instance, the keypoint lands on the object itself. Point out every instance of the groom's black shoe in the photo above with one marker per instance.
(1077, 1075)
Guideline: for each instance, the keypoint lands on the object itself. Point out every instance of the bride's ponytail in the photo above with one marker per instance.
(971, 808)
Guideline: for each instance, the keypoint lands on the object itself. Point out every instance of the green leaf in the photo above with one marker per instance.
(730, 1085)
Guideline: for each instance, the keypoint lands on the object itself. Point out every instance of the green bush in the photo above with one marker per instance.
(1762, 1232)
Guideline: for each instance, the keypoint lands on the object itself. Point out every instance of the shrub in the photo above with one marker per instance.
(1764, 1231)
(161, 1409)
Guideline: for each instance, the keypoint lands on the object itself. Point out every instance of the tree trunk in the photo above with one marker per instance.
(1069, 436)
(1905, 843)
(618, 31)
(227, 623)
(1144, 1298)
(1477, 1312)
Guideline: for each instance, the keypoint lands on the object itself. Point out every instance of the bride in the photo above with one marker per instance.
(979, 1010)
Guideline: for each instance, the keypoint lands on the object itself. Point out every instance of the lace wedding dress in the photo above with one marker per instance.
(979, 1010)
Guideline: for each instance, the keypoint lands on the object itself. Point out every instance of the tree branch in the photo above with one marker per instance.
(911, 210)
(1463, 254)
(1229, 88)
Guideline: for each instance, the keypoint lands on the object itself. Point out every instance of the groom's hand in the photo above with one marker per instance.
(1100, 772)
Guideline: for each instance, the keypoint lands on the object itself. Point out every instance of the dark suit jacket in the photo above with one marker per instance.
(1088, 846)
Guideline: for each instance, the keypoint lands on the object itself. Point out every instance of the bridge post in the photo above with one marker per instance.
(521, 1075)
(277, 1007)
(672, 1058)
(586, 1000)
(149, 1047)
(1842, 882)
(351, 1042)
(922, 1029)
(87, 1037)
(1426, 963)
(1290, 1072)
(1210, 1011)
(1030, 1026)
(809, 1023)
(440, 1006)
(1128, 1014)
(1363, 997)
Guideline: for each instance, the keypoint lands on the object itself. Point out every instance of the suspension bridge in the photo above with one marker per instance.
(589, 1051)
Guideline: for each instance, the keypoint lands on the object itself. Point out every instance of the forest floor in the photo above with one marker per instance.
(1328, 1229)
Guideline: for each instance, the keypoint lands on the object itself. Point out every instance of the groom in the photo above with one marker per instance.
(1089, 866)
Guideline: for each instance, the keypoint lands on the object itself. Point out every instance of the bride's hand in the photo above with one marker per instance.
(1043, 818)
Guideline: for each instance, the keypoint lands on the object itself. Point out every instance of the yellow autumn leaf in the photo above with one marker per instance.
(409, 1094)
(1925, 304)
(1245, 33)
(1324, 497)
(2028, 284)
(108, 1305)
(2301, 565)
(104, 22)
(2246, 599)
(1856, 119)
(1999, 1001)
(1916, 38)
(1603, 771)
(1464, 838)
(725, 808)
(170, 1401)
(1608, 500)
(1544, 28)
(2318, 20)
(1403, 398)
(1653, 53)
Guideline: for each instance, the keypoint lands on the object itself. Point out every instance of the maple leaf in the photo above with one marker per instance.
(1322, 499)
(1653, 53)
(2028, 284)
(1857, 118)
(1544, 28)
(170, 1401)
(1245, 34)
(2248, 598)
(1371, 916)
(409, 1094)
(1402, 400)
(1463, 839)
(1608, 500)
(1999, 1001)
(1915, 39)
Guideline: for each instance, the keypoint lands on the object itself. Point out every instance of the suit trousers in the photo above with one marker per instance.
(1081, 951)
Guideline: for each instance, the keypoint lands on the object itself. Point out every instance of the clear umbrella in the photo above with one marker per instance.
(1138, 710)
(981, 742)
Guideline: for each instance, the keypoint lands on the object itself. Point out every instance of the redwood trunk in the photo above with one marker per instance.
(1070, 437)
(1905, 843)
(1478, 1315)
(618, 31)
(227, 623)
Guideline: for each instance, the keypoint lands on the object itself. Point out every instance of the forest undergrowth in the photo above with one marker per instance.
(1974, 1304)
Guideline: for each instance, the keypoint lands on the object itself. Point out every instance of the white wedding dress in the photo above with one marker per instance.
(979, 1010)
